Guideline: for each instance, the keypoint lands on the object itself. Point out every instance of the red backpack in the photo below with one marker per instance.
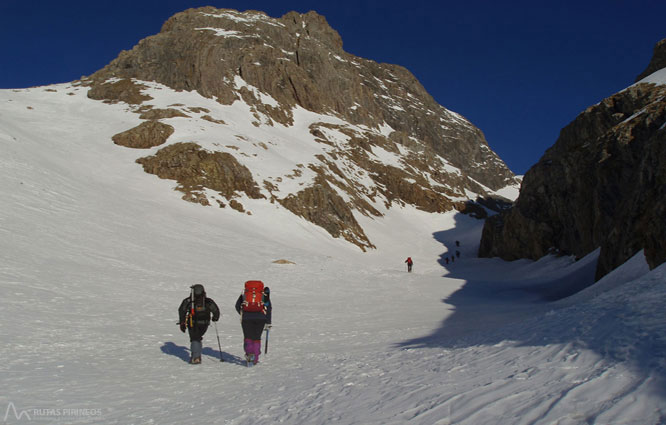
(253, 296)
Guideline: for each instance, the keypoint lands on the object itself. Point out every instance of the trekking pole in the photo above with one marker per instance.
(266, 345)
(218, 341)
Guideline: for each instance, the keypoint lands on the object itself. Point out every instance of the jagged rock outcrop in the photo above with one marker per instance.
(321, 205)
(144, 136)
(196, 169)
(113, 91)
(603, 184)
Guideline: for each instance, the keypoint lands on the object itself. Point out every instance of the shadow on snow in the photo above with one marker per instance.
(183, 353)
(517, 301)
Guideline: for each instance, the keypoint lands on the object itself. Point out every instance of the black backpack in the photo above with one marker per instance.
(198, 313)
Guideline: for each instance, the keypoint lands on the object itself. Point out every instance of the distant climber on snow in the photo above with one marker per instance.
(195, 315)
(410, 263)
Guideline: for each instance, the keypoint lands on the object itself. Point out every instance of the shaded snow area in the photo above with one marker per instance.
(97, 255)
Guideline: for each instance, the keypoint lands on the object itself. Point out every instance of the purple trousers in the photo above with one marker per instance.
(252, 346)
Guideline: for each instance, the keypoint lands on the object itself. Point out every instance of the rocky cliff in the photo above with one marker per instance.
(603, 184)
(279, 66)
(658, 60)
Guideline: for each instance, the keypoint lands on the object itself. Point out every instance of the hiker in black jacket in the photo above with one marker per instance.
(195, 314)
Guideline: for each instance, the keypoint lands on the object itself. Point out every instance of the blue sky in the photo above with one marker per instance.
(519, 70)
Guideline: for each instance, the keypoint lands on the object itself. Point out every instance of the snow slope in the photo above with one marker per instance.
(97, 255)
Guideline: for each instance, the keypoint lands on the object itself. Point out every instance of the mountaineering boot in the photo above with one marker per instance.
(196, 347)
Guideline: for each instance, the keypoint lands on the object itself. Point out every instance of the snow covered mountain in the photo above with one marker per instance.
(96, 255)
(240, 106)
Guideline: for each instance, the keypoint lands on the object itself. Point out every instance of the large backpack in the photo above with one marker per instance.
(253, 296)
(199, 311)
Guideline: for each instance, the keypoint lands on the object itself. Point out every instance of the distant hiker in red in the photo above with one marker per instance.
(194, 315)
(410, 263)
(255, 307)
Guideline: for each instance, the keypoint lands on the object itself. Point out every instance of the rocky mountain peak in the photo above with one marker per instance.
(278, 66)
(313, 25)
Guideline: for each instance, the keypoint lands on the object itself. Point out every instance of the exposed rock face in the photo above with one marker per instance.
(390, 134)
(146, 135)
(298, 60)
(603, 184)
(112, 91)
(406, 184)
(321, 205)
(195, 169)
(156, 114)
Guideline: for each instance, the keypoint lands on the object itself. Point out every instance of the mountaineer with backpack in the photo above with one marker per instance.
(410, 263)
(195, 314)
(255, 308)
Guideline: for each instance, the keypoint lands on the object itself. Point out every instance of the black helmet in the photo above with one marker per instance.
(267, 290)
(198, 290)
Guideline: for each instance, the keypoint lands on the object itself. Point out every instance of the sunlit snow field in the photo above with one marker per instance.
(96, 256)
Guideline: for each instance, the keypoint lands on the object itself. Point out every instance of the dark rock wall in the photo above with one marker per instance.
(603, 184)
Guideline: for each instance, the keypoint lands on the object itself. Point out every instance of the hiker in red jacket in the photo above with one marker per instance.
(255, 307)
(409, 264)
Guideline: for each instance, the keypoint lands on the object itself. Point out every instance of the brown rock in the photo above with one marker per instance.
(283, 261)
(195, 169)
(144, 136)
(124, 90)
(157, 114)
(213, 120)
(321, 205)
(234, 204)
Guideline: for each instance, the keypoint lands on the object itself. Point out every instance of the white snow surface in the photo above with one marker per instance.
(224, 33)
(97, 255)
(657, 77)
(511, 192)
